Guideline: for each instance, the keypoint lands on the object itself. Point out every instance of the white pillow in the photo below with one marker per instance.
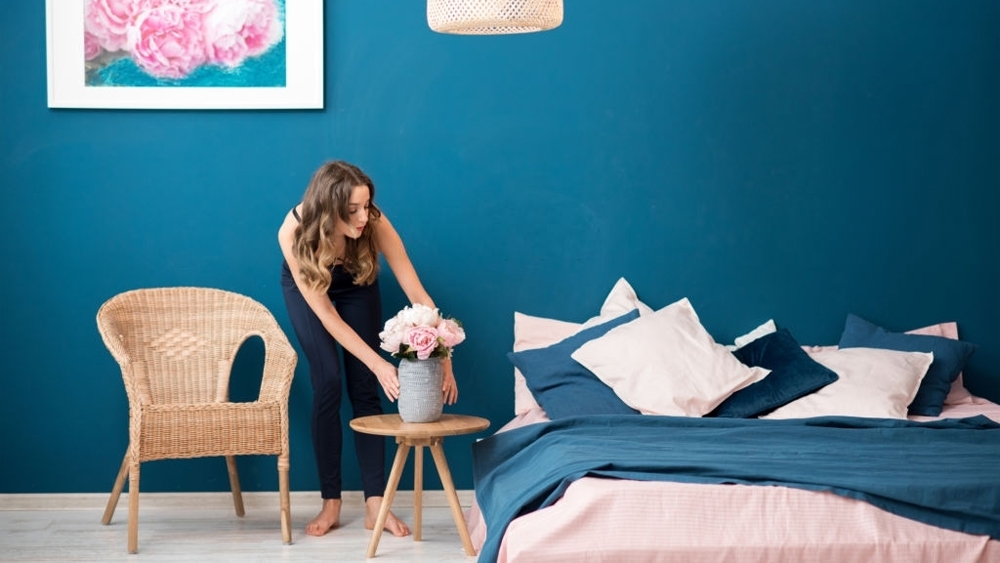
(763, 330)
(619, 301)
(958, 395)
(666, 363)
(538, 332)
(872, 383)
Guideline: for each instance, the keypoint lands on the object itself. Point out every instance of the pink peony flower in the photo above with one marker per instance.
(108, 21)
(237, 30)
(421, 332)
(419, 315)
(392, 336)
(91, 46)
(450, 333)
(423, 340)
(166, 41)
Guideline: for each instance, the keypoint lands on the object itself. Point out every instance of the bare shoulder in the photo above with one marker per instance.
(389, 241)
(385, 227)
(287, 230)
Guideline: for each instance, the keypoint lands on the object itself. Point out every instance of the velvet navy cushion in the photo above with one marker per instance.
(793, 375)
(950, 357)
(561, 385)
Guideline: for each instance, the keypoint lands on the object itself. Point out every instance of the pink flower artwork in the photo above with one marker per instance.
(91, 46)
(108, 21)
(167, 41)
(170, 39)
(237, 30)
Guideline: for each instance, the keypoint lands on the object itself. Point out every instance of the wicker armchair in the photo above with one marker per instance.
(176, 348)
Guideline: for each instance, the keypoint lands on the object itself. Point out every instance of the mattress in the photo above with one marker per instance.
(624, 520)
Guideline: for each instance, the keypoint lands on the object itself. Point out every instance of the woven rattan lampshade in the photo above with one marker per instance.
(493, 17)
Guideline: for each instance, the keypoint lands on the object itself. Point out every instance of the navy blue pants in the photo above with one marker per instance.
(361, 309)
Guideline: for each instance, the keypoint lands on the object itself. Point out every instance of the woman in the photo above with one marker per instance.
(331, 243)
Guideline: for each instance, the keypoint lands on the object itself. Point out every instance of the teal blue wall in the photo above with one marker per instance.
(774, 158)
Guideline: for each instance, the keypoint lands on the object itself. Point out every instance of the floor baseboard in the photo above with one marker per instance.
(251, 500)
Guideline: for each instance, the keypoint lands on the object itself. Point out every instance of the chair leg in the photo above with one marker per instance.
(133, 509)
(234, 483)
(116, 492)
(286, 512)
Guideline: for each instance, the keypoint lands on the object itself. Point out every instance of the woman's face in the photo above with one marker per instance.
(357, 213)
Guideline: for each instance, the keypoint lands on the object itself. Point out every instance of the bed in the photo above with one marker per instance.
(879, 454)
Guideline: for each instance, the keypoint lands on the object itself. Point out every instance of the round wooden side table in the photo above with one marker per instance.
(417, 435)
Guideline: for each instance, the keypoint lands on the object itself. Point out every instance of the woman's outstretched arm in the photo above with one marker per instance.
(391, 245)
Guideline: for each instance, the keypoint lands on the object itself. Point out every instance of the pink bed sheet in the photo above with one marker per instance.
(618, 520)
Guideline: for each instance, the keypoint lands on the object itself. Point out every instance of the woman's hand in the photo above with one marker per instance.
(449, 387)
(388, 378)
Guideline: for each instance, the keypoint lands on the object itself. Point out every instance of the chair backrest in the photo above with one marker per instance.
(177, 344)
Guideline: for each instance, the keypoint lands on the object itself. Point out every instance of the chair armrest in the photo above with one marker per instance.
(280, 360)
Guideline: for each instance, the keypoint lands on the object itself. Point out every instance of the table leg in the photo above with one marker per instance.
(449, 488)
(390, 491)
(418, 489)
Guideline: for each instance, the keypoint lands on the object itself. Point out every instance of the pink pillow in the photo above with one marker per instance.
(538, 332)
(958, 394)
(872, 383)
(530, 333)
(619, 301)
(667, 363)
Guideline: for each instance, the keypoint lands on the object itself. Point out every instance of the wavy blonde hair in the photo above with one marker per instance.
(326, 199)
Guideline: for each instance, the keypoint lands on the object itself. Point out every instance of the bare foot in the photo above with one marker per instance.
(327, 519)
(395, 526)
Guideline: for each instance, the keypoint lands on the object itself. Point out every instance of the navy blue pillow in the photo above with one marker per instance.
(561, 385)
(950, 357)
(793, 374)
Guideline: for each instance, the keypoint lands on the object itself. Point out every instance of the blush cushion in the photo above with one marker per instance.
(538, 332)
(950, 357)
(561, 385)
(667, 363)
(871, 383)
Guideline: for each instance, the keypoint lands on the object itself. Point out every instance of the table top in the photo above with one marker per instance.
(392, 425)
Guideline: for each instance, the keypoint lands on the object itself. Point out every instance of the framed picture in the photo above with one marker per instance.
(191, 54)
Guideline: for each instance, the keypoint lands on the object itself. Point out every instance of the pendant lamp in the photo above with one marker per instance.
(493, 17)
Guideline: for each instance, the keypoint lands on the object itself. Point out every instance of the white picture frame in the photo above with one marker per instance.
(303, 87)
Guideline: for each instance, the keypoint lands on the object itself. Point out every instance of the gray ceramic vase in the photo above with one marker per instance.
(420, 398)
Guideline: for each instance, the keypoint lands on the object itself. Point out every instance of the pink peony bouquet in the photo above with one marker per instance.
(420, 332)
(171, 38)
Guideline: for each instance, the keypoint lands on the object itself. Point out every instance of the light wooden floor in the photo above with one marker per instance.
(204, 527)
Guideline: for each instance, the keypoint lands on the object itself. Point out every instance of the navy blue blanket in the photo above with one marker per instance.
(944, 473)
